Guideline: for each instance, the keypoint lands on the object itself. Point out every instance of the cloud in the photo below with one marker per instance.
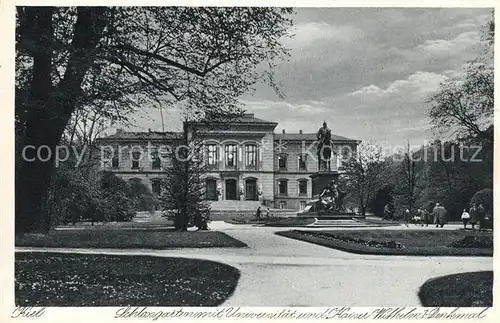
(306, 34)
(418, 84)
(443, 47)
(367, 71)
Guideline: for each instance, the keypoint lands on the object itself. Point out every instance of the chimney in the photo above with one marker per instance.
(149, 130)
(300, 131)
(283, 130)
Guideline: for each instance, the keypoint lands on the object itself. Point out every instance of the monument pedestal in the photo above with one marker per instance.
(320, 181)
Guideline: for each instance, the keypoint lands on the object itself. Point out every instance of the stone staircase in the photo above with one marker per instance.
(223, 215)
(243, 210)
(342, 223)
(234, 205)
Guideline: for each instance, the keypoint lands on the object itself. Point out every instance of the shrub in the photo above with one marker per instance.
(484, 197)
(473, 242)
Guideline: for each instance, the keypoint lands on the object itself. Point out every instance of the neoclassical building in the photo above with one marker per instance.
(246, 159)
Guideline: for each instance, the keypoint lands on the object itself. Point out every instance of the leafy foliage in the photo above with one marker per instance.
(452, 171)
(78, 66)
(464, 107)
(79, 194)
(484, 197)
(363, 170)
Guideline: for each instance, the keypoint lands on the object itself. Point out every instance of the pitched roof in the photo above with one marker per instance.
(246, 118)
(307, 137)
(250, 118)
(143, 135)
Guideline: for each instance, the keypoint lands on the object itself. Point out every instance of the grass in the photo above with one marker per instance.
(393, 242)
(123, 239)
(474, 289)
(52, 279)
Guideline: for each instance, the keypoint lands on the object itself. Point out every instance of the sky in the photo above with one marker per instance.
(367, 72)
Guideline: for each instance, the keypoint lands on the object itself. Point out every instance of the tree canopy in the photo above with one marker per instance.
(464, 107)
(117, 59)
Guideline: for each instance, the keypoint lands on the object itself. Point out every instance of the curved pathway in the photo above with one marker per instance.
(279, 271)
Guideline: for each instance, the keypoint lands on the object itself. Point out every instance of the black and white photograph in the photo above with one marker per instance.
(249, 156)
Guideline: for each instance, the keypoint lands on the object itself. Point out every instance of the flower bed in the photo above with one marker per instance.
(370, 243)
(394, 242)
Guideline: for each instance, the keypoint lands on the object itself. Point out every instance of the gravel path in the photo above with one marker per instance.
(278, 271)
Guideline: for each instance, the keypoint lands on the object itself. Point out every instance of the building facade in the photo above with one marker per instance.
(245, 160)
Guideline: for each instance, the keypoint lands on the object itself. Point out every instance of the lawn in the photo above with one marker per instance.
(52, 279)
(130, 238)
(459, 290)
(401, 242)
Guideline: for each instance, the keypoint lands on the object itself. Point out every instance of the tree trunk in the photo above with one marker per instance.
(49, 109)
(33, 177)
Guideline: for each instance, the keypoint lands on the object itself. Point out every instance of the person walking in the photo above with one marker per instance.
(426, 217)
(480, 214)
(439, 214)
(387, 212)
(407, 217)
(473, 216)
(465, 218)
(421, 216)
(257, 214)
(268, 213)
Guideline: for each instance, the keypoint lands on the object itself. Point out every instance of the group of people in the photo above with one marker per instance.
(267, 213)
(475, 215)
(437, 217)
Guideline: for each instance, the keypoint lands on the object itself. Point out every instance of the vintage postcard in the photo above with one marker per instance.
(224, 162)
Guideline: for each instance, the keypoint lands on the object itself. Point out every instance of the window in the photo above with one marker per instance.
(283, 187)
(302, 161)
(156, 186)
(282, 204)
(303, 187)
(105, 159)
(282, 162)
(156, 162)
(115, 162)
(230, 152)
(136, 156)
(251, 155)
(212, 155)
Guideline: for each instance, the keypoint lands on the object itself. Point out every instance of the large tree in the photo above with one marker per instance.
(464, 107)
(363, 174)
(118, 59)
(183, 191)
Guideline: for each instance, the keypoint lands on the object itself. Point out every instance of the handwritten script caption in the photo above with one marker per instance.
(335, 313)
